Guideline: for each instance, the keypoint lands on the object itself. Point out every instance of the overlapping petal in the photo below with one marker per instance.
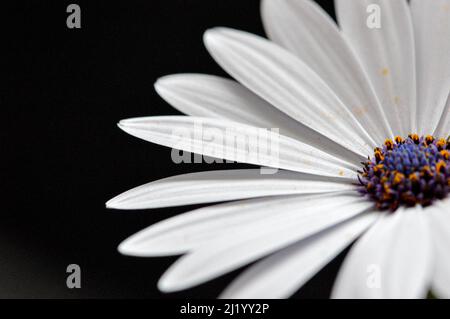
(432, 35)
(305, 29)
(188, 231)
(283, 273)
(394, 259)
(287, 83)
(385, 47)
(226, 185)
(211, 96)
(260, 238)
(237, 142)
(440, 221)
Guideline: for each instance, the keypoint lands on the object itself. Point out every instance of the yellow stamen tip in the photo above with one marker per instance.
(413, 177)
(414, 137)
(440, 143)
(399, 140)
(398, 178)
(429, 139)
(440, 166)
(389, 144)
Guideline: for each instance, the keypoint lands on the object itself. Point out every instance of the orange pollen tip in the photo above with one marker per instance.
(426, 170)
(398, 178)
(440, 166)
(413, 177)
(389, 144)
(379, 156)
(445, 154)
(414, 137)
(378, 167)
(441, 143)
(429, 139)
(399, 140)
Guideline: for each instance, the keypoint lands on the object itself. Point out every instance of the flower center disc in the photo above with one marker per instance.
(410, 171)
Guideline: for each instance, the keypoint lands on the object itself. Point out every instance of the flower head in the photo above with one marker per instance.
(339, 97)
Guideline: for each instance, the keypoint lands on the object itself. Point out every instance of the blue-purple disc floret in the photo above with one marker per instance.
(407, 172)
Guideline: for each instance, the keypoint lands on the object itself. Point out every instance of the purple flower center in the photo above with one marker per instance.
(410, 171)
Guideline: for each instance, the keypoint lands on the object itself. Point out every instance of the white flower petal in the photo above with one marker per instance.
(226, 185)
(440, 219)
(258, 239)
(432, 32)
(287, 83)
(443, 129)
(187, 231)
(318, 42)
(392, 260)
(217, 138)
(387, 54)
(283, 273)
(211, 96)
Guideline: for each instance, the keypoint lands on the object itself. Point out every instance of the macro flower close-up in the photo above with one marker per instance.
(348, 127)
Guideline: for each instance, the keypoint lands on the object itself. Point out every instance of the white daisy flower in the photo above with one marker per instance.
(363, 155)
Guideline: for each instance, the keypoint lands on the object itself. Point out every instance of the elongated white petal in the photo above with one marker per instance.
(283, 273)
(432, 32)
(392, 260)
(185, 232)
(211, 96)
(287, 83)
(382, 35)
(440, 221)
(305, 29)
(217, 186)
(236, 142)
(258, 239)
(443, 129)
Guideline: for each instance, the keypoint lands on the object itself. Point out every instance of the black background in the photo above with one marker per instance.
(64, 91)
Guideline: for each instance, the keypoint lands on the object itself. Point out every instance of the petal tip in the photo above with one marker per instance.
(113, 203)
(162, 81)
(208, 36)
(109, 204)
(167, 285)
(132, 247)
(212, 34)
(126, 125)
(125, 248)
(122, 124)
